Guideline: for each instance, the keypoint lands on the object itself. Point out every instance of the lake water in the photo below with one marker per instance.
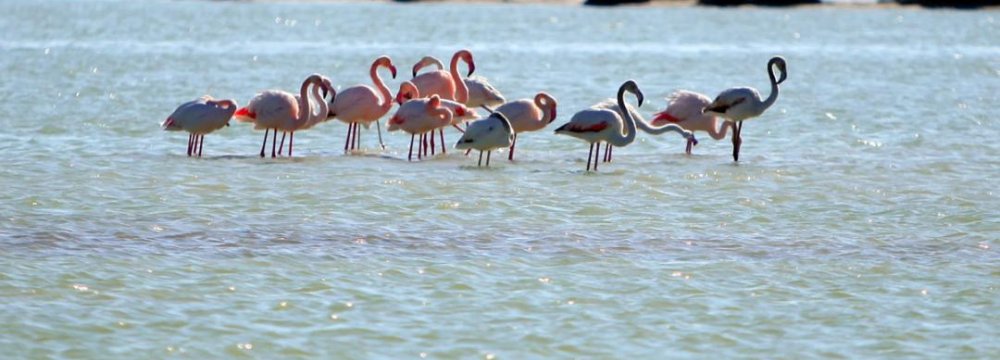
(861, 221)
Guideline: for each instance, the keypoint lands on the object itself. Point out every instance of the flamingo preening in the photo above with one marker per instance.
(460, 112)
(596, 125)
(199, 117)
(641, 123)
(742, 103)
(481, 92)
(684, 108)
(420, 116)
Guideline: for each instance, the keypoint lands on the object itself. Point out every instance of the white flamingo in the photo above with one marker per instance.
(528, 115)
(280, 110)
(596, 125)
(199, 117)
(742, 103)
(641, 123)
(487, 135)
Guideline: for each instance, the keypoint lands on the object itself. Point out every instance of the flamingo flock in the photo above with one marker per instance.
(433, 100)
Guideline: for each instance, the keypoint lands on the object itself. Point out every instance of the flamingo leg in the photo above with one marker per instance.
(512, 144)
(410, 156)
(291, 141)
(467, 151)
(274, 139)
(610, 152)
(357, 136)
(423, 146)
(737, 140)
(480, 158)
(190, 143)
(433, 147)
(347, 141)
(264, 144)
(597, 155)
(488, 153)
(379, 127)
(201, 144)
(590, 155)
(443, 151)
(281, 148)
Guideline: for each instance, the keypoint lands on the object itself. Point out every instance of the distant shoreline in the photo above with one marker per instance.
(657, 3)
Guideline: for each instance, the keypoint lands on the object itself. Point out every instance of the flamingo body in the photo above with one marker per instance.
(741, 103)
(199, 117)
(487, 134)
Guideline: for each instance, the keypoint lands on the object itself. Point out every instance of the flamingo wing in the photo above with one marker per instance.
(682, 105)
(520, 113)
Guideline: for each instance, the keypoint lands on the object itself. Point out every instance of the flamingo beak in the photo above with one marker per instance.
(392, 68)
(472, 67)
(552, 115)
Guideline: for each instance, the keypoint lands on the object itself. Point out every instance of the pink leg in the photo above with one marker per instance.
(190, 143)
(512, 144)
(201, 144)
(264, 144)
(608, 152)
(291, 140)
(424, 145)
(737, 141)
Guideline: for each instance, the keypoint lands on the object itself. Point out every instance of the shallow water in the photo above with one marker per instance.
(860, 222)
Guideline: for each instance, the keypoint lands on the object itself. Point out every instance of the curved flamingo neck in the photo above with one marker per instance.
(305, 110)
(547, 104)
(427, 61)
(719, 132)
(774, 89)
(407, 91)
(382, 88)
(618, 139)
(461, 91)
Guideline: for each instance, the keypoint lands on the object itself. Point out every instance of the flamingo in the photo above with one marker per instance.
(448, 85)
(487, 134)
(742, 103)
(420, 116)
(362, 104)
(641, 123)
(276, 109)
(460, 113)
(199, 117)
(481, 92)
(684, 108)
(528, 115)
(595, 125)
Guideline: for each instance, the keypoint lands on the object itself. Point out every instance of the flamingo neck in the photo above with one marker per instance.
(774, 90)
(461, 91)
(305, 110)
(547, 104)
(618, 139)
(719, 132)
(382, 89)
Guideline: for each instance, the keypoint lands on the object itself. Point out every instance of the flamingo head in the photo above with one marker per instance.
(466, 56)
(425, 61)
(779, 63)
(407, 91)
(245, 114)
(547, 101)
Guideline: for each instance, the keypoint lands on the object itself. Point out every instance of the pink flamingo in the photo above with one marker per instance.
(460, 112)
(280, 110)
(641, 124)
(481, 92)
(528, 115)
(362, 104)
(742, 103)
(446, 85)
(596, 125)
(684, 108)
(199, 117)
(420, 116)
